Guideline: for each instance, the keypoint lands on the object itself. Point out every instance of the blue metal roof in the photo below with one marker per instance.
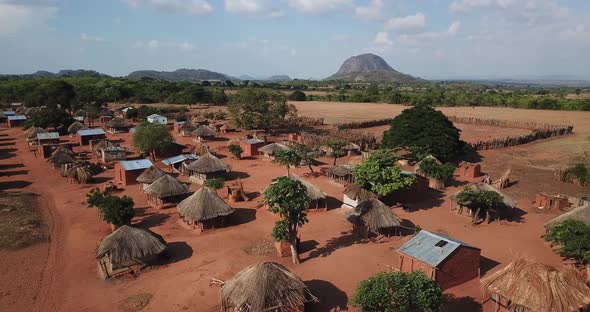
(17, 117)
(8, 113)
(253, 141)
(47, 136)
(179, 158)
(86, 132)
(431, 248)
(132, 130)
(139, 164)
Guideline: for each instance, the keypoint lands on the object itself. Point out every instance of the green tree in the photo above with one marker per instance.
(258, 108)
(288, 198)
(151, 138)
(572, 240)
(50, 117)
(398, 292)
(113, 209)
(427, 129)
(288, 158)
(380, 175)
(236, 150)
(432, 169)
(481, 200)
(216, 183)
(336, 149)
(308, 154)
(297, 95)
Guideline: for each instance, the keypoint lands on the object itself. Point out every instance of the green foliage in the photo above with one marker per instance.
(379, 174)
(288, 158)
(432, 169)
(336, 149)
(297, 95)
(398, 292)
(280, 232)
(236, 150)
(479, 199)
(258, 108)
(572, 238)
(307, 154)
(113, 210)
(50, 117)
(132, 113)
(216, 183)
(94, 198)
(150, 137)
(288, 198)
(425, 128)
(579, 172)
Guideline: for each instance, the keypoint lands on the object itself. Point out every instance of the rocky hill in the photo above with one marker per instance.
(180, 75)
(369, 67)
(278, 78)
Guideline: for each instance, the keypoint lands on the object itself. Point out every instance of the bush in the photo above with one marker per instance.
(216, 183)
(572, 239)
(380, 175)
(297, 95)
(432, 169)
(113, 210)
(236, 150)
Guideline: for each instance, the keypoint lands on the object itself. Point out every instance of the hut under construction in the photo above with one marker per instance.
(341, 174)
(504, 211)
(207, 167)
(204, 210)
(354, 194)
(128, 249)
(201, 149)
(118, 125)
(581, 214)
(204, 133)
(61, 160)
(166, 190)
(149, 175)
(270, 149)
(266, 286)
(372, 217)
(529, 286)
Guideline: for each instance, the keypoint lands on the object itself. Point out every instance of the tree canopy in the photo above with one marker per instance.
(380, 175)
(50, 117)
(432, 169)
(297, 95)
(236, 150)
(424, 129)
(150, 138)
(288, 158)
(571, 240)
(258, 108)
(481, 200)
(336, 149)
(113, 209)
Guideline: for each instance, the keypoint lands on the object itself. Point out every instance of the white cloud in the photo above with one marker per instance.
(253, 7)
(382, 39)
(192, 7)
(372, 11)
(152, 44)
(185, 46)
(454, 28)
(320, 6)
(19, 16)
(464, 6)
(87, 37)
(423, 37)
(410, 22)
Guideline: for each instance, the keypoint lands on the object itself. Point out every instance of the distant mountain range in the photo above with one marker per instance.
(271, 78)
(63, 73)
(369, 67)
(180, 75)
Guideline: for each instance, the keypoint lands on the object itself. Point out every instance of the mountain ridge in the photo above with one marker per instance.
(369, 67)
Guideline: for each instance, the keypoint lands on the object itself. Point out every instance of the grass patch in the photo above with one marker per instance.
(135, 302)
(21, 223)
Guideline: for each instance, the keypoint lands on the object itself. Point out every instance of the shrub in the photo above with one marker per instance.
(572, 239)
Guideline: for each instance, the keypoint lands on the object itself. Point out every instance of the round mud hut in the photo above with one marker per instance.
(207, 167)
(373, 217)
(187, 128)
(149, 176)
(354, 195)
(527, 286)
(118, 125)
(166, 190)
(270, 149)
(266, 286)
(203, 133)
(128, 249)
(204, 210)
(62, 160)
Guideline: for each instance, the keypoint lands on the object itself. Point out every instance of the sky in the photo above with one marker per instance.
(438, 39)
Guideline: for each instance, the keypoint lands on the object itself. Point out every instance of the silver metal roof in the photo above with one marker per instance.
(47, 136)
(431, 248)
(8, 113)
(17, 117)
(253, 141)
(86, 132)
(138, 164)
(179, 158)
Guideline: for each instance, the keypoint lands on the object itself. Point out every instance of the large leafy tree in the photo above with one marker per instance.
(432, 169)
(150, 138)
(308, 154)
(288, 198)
(50, 117)
(113, 209)
(398, 292)
(571, 240)
(236, 150)
(481, 200)
(258, 108)
(288, 158)
(336, 149)
(379, 174)
(422, 128)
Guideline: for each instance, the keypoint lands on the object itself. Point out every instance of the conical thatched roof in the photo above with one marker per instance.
(341, 170)
(79, 172)
(188, 126)
(204, 131)
(167, 186)
(75, 126)
(118, 123)
(272, 148)
(20, 110)
(150, 175)
(199, 120)
(63, 149)
(128, 244)
(579, 214)
(375, 215)
(356, 192)
(102, 144)
(266, 286)
(207, 164)
(205, 204)
(539, 287)
(201, 149)
(106, 112)
(61, 158)
(31, 133)
(508, 201)
(313, 192)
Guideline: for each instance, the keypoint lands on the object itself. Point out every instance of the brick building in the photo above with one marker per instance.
(127, 171)
(250, 147)
(84, 136)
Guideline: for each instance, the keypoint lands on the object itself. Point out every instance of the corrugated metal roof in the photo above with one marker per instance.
(253, 141)
(180, 123)
(8, 113)
(139, 164)
(154, 116)
(47, 136)
(179, 158)
(431, 248)
(86, 132)
(17, 117)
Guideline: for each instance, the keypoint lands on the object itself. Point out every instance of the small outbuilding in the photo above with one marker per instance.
(372, 218)
(105, 115)
(48, 138)
(87, 135)
(545, 201)
(446, 260)
(270, 149)
(166, 190)
(127, 171)
(118, 125)
(16, 121)
(201, 149)
(354, 195)
(250, 147)
(204, 210)
(157, 119)
(341, 174)
(207, 167)
(127, 250)
(61, 159)
(112, 154)
(469, 170)
(179, 163)
(266, 286)
(204, 133)
(506, 209)
(149, 175)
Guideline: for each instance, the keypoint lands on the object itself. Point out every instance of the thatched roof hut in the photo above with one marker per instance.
(204, 205)
(102, 144)
(79, 172)
(373, 216)
(534, 286)
(128, 246)
(118, 124)
(31, 133)
(204, 132)
(208, 163)
(272, 148)
(199, 120)
(313, 192)
(266, 286)
(358, 193)
(166, 186)
(579, 214)
(507, 200)
(75, 126)
(201, 149)
(61, 158)
(188, 127)
(149, 175)
(63, 149)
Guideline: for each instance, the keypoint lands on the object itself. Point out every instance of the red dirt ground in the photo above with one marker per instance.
(62, 275)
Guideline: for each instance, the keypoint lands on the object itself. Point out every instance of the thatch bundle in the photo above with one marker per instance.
(313, 192)
(539, 287)
(149, 175)
(75, 127)
(201, 149)
(31, 133)
(204, 131)
(61, 158)
(79, 172)
(205, 204)
(208, 164)
(266, 286)
(167, 186)
(375, 215)
(30, 111)
(129, 245)
(118, 123)
(272, 148)
(579, 214)
(358, 193)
